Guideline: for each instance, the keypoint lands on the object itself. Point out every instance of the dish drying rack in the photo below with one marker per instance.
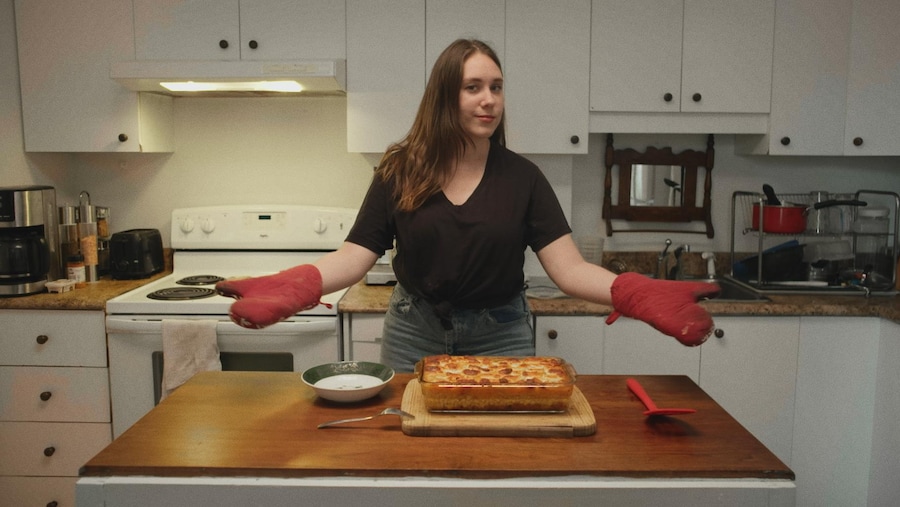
(742, 203)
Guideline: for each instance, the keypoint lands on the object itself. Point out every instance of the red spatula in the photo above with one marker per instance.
(652, 409)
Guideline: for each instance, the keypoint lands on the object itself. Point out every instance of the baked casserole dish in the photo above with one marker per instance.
(489, 383)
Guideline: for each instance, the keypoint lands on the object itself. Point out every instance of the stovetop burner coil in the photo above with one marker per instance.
(199, 280)
(181, 293)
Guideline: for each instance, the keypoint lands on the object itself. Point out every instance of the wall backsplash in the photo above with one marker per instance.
(293, 150)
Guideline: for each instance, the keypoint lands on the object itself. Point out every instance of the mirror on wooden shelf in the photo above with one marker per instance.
(658, 189)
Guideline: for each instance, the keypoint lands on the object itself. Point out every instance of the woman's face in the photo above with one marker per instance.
(481, 97)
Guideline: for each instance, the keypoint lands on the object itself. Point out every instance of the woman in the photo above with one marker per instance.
(462, 209)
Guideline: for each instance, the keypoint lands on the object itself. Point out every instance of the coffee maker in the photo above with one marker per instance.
(29, 249)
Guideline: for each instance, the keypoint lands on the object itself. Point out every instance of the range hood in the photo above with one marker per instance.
(192, 78)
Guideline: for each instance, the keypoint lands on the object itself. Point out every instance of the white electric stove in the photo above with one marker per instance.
(211, 244)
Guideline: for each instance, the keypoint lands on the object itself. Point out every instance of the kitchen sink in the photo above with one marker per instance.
(733, 290)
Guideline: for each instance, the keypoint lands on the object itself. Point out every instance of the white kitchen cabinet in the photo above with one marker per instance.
(69, 102)
(809, 77)
(847, 409)
(239, 29)
(578, 340)
(835, 80)
(385, 71)
(632, 347)
(362, 334)
(702, 56)
(448, 20)
(544, 48)
(54, 402)
(547, 76)
(750, 368)
(873, 78)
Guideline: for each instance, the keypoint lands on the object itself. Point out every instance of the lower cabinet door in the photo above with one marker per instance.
(750, 368)
(578, 340)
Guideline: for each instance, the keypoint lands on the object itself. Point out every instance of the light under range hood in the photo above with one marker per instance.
(192, 78)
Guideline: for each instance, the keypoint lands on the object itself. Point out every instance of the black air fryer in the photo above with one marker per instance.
(136, 253)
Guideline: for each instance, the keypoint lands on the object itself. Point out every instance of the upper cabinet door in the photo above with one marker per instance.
(709, 56)
(291, 29)
(873, 81)
(187, 30)
(239, 29)
(547, 75)
(636, 55)
(448, 20)
(809, 77)
(385, 71)
(69, 103)
(727, 56)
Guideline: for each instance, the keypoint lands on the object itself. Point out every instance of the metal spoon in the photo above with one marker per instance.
(652, 409)
(387, 411)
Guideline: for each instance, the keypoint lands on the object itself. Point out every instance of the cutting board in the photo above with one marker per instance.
(578, 421)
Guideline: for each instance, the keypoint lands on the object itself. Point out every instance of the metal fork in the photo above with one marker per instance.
(387, 411)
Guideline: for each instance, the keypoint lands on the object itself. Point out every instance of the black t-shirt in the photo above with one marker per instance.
(470, 255)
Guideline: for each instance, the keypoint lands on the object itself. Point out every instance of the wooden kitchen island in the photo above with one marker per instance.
(250, 438)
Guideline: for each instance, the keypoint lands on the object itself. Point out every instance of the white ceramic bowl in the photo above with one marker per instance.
(348, 381)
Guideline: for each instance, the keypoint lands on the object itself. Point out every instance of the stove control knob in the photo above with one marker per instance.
(187, 225)
(319, 226)
(207, 225)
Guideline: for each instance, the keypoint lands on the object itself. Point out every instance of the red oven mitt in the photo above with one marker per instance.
(669, 306)
(265, 300)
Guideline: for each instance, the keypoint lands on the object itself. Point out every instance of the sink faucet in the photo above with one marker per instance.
(661, 263)
(677, 271)
(710, 259)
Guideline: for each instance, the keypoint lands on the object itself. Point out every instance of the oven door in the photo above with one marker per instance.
(136, 359)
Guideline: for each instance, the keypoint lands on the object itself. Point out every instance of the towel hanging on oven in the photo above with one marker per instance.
(189, 347)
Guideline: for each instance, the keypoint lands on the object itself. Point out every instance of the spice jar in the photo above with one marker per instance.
(75, 270)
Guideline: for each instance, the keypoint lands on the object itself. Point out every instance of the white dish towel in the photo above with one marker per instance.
(189, 347)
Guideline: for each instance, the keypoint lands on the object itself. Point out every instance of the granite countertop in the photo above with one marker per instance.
(91, 297)
(363, 298)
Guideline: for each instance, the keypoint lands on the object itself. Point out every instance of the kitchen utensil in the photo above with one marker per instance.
(771, 198)
(652, 409)
(387, 411)
(867, 278)
(348, 381)
(780, 263)
(789, 218)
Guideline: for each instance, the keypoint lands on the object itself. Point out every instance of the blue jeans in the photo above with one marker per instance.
(413, 330)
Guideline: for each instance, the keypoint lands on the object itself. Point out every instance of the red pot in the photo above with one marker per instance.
(783, 219)
(787, 218)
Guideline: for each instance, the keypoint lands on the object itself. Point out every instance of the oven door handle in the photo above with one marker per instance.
(147, 326)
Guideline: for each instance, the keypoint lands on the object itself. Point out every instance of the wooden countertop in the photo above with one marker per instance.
(362, 298)
(255, 424)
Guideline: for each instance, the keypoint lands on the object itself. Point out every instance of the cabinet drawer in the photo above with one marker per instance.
(367, 327)
(54, 394)
(38, 491)
(52, 338)
(70, 446)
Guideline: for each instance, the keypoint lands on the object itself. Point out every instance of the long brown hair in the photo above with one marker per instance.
(421, 162)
